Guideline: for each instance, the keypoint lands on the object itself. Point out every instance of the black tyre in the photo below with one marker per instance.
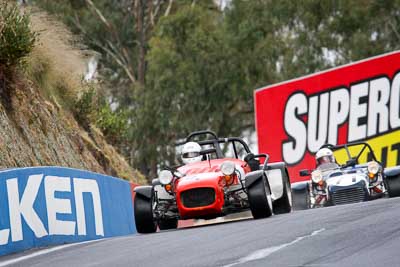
(167, 224)
(260, 199)
(144, 219)
(284, 204)
(301, 199)
(393, 186)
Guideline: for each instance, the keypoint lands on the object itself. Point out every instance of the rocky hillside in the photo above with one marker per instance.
(37, 126)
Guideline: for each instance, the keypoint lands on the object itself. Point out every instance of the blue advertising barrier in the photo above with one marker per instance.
(43, 206)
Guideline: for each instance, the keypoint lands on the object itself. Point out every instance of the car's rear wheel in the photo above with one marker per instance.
(301, 199)
(260, 199)
(144, 218)
(284, 204)
(167, 224)
(393, 186)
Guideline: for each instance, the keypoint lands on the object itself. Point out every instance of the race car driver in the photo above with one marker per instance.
(325, 160)
(191, 153)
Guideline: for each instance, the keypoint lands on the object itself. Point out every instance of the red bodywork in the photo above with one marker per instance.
(205, 174)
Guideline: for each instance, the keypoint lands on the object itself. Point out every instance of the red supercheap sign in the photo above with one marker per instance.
(359, 101)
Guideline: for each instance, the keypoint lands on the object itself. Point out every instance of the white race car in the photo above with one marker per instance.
(362, 177)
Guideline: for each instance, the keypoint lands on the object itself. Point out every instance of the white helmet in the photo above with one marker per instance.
(324, 155)
(191, 153)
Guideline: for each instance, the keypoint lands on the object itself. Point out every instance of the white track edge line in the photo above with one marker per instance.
(44, 252)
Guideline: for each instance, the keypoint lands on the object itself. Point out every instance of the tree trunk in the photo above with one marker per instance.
(140, 29)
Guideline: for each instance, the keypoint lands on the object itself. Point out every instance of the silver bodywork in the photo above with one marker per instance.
(349, 184)
(275, 182)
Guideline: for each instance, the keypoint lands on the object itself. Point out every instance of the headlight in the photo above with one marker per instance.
(316, 176)
(373, 167)
(165, 177)
(228, 168)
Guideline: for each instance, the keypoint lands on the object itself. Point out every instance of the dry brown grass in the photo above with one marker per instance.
(55, 64)
(56, 68)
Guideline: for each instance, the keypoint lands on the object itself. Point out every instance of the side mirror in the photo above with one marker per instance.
(304, 173)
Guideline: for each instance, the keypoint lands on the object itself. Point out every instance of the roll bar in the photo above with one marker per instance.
(346, 147)
(215, 141)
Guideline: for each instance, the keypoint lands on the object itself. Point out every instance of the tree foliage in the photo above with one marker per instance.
(16, 38)
(195, 66)
(189, 82)
(108, 28)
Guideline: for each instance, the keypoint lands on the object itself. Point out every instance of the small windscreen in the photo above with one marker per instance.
(328, 167)
(191, 154)
(228, 150)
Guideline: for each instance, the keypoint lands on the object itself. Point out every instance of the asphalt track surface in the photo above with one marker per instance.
(363, 234)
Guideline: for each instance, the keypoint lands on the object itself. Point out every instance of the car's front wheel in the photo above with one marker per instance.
(144, 219)
(393, 186)
(167, 224)
(301, 199)
(260, 199)
(284, 204)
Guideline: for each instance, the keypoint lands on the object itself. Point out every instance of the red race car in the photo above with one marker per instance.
(221, 176)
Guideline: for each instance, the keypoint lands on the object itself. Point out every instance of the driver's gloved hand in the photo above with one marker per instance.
(253, 163)
(249, 157)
